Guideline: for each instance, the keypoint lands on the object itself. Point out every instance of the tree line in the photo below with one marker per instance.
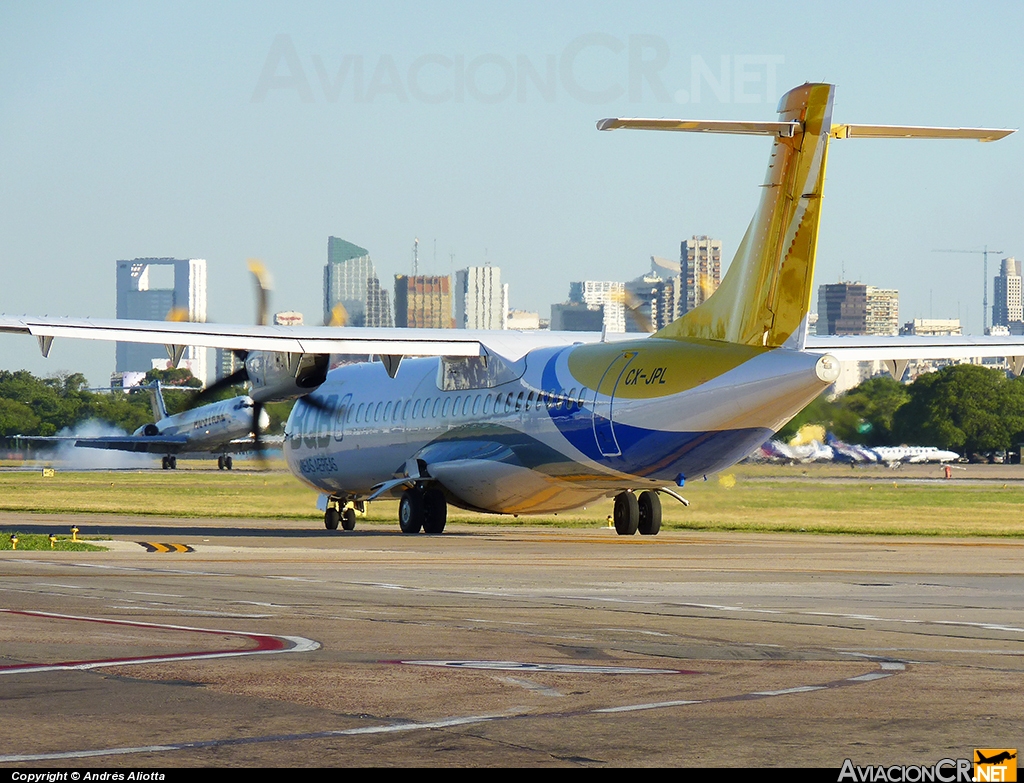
(963, 407)
(45, 406)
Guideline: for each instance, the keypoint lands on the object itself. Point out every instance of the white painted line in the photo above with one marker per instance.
(652, 706)
(784, 691)
(561, 668)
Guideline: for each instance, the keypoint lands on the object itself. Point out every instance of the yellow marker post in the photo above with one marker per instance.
(14, 542)
(53, 540)
(74, 533)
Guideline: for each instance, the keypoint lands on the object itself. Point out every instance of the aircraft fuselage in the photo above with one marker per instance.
(555, 430)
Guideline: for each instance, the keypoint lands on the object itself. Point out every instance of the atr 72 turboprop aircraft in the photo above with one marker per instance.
(519, 423)
(223, 428)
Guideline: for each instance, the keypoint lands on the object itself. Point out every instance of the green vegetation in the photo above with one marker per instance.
(46, 406)
(827, 499)
(963, 407)
(30, 542)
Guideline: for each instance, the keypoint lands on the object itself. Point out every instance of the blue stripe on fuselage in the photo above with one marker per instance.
(651, 454)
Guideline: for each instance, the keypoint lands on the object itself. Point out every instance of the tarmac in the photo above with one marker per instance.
(278, 644)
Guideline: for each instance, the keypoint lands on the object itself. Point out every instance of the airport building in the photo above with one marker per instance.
(1006, 304)
(932, 327)
(700, 271)
(150, 289)
(480, 298)
(351, 281)
(423, 301)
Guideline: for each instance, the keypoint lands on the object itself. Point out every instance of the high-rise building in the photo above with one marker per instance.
(423, 301)
(351, 281)
(1006, 305)
(150, 289)
(606, 295)
(854, 308)
(883, 316)
(576, 317)
(479, 298)
(842, 308)
(652, 297)
(700, 271)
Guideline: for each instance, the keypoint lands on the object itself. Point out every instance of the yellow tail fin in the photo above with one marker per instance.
(766, 294)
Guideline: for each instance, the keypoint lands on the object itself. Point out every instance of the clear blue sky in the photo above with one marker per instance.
(234, 130)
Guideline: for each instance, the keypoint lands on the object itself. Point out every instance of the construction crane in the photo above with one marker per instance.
(984, 281)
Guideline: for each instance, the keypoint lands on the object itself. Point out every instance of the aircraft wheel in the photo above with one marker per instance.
(227, 463)
(172, 461)
(348, 519)
(410, 511)
(163, 463)
(220, 462)
(649, 505)
(626, 514)
(435, 511)
(331, 518)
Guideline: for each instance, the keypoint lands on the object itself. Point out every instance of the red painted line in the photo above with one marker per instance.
(264, 643)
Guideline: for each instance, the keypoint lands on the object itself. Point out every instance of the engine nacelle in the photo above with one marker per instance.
(284, 376)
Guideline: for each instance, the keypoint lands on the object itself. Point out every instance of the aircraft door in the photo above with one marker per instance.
(604, 404)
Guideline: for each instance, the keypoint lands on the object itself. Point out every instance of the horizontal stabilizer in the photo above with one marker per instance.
(916, 132)
(782, 129)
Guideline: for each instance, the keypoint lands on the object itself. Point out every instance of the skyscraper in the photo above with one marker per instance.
(1006, 305)
(602, 294)
(854, 308)
(149, 289)
(351, 281)
(423, 301)
(479, 298)
(700, 270)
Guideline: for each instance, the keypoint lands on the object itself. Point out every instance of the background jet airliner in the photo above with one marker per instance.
(511, 422)
(222, 428)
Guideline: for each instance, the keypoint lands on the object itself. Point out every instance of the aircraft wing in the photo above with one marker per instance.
(509, 344)
(157, 444)
(865, 347)
(898, 351)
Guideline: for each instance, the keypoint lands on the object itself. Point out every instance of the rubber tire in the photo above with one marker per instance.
(649, 505)
(220, 462)
(435, 511)
(410, 511)
(348, 519)
(331, 518)
(626, 514)
(227, 463)
(172, 461)
(164, 464)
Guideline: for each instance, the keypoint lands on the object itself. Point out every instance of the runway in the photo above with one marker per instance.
(280, 644)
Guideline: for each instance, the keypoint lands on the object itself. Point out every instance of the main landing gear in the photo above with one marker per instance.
(169, 463)
(340, 512)
(224, 462)
(634, 514)
(422, 508)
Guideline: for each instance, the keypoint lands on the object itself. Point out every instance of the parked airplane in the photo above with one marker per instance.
(511, 422)
(914, 455)
(223, 428)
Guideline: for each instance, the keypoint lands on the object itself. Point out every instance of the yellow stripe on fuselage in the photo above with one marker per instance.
(657, 367)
